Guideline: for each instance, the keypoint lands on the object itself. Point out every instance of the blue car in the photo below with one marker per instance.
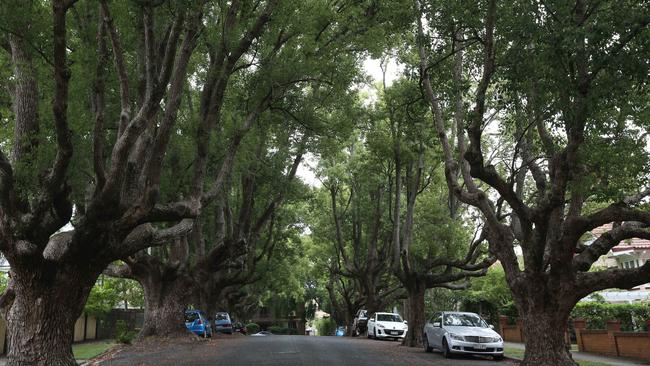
(197, 323)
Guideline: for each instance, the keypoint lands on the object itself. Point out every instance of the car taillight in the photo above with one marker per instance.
(199, 322)
(227, 325)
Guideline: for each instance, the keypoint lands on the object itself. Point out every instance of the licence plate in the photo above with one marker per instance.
(393, 333)
(479, 346)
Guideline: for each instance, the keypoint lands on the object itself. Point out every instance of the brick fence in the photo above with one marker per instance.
(612, 341)
(515, 332)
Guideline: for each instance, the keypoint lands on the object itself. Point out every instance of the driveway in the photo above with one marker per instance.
(288, 351)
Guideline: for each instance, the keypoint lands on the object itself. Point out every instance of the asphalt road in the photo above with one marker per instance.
(289, 351)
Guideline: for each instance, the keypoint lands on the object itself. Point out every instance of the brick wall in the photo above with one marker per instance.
(515, 332)
(612, 341)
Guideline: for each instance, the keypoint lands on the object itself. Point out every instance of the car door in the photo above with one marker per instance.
(371, 324)
(437, 332)
(428, 328)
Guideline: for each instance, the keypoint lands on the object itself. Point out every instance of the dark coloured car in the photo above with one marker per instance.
(238, 327)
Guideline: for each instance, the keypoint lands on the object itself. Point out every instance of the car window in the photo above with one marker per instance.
(363, 314)
(438, 319)
(191, 317)
(222, 317)
(464, 320)
(389, 318)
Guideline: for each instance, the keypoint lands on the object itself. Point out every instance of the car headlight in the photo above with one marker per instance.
(380, 326)
(456, 337)
(496, 339)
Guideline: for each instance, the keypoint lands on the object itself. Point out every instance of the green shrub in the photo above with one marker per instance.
(122, 333)
(631, 316)
(282, 330)
(325, 326)
(252, 328)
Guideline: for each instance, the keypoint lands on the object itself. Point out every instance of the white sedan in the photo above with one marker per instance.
(456, 332)
(386, 325)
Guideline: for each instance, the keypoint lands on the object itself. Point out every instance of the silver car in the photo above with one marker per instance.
(461, 333)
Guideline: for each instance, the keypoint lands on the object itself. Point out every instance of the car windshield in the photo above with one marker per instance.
(389, 318)
(221, 316)
(363, 314)
(464, 320)
(190, 317)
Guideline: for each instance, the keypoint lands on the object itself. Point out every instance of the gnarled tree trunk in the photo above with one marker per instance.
(41, 316)
(166, 298)
(545, 310)
(545, 342)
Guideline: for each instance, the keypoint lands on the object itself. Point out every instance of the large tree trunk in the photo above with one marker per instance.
(545, 309)
(545, 343)
(415, 302)
(165, 302)
(41, 316)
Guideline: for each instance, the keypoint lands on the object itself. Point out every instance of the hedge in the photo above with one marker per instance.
(252, 328)
(282, 330)
(631, 316)
(326, 327)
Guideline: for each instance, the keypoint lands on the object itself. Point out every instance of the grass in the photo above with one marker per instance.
(84, 351)
(519, 354)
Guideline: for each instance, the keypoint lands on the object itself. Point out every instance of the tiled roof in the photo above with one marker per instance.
(634, 243)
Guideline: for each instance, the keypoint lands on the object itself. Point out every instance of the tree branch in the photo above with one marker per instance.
(120, 66)
(607, 241)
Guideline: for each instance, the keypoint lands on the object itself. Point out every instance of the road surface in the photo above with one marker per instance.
(288, 351)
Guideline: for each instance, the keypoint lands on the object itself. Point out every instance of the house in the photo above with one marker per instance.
(630, 253)
(282, 312)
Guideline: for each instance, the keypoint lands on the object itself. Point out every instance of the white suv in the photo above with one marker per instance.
(386, 325)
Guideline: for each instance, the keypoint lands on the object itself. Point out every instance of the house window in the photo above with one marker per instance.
(630, 264)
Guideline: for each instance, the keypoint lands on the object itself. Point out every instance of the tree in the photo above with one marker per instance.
(287, 72)
(116, 210)
(430, 245)
(354, 186)
(569, 98)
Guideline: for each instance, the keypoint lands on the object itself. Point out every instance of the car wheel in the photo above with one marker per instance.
(445, 349)
(374, 333)
(498, 357)
(368, 333)
(425, 342)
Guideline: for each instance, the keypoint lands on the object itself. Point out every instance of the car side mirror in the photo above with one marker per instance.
(436, 324)
(491, 326)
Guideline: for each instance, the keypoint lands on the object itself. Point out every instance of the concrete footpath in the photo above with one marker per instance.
(592, 357)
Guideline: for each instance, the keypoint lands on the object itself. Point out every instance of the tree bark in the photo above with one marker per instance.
(25, 99)
(545, 343)
(415, 302)
(165, 304)
(41, 317)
